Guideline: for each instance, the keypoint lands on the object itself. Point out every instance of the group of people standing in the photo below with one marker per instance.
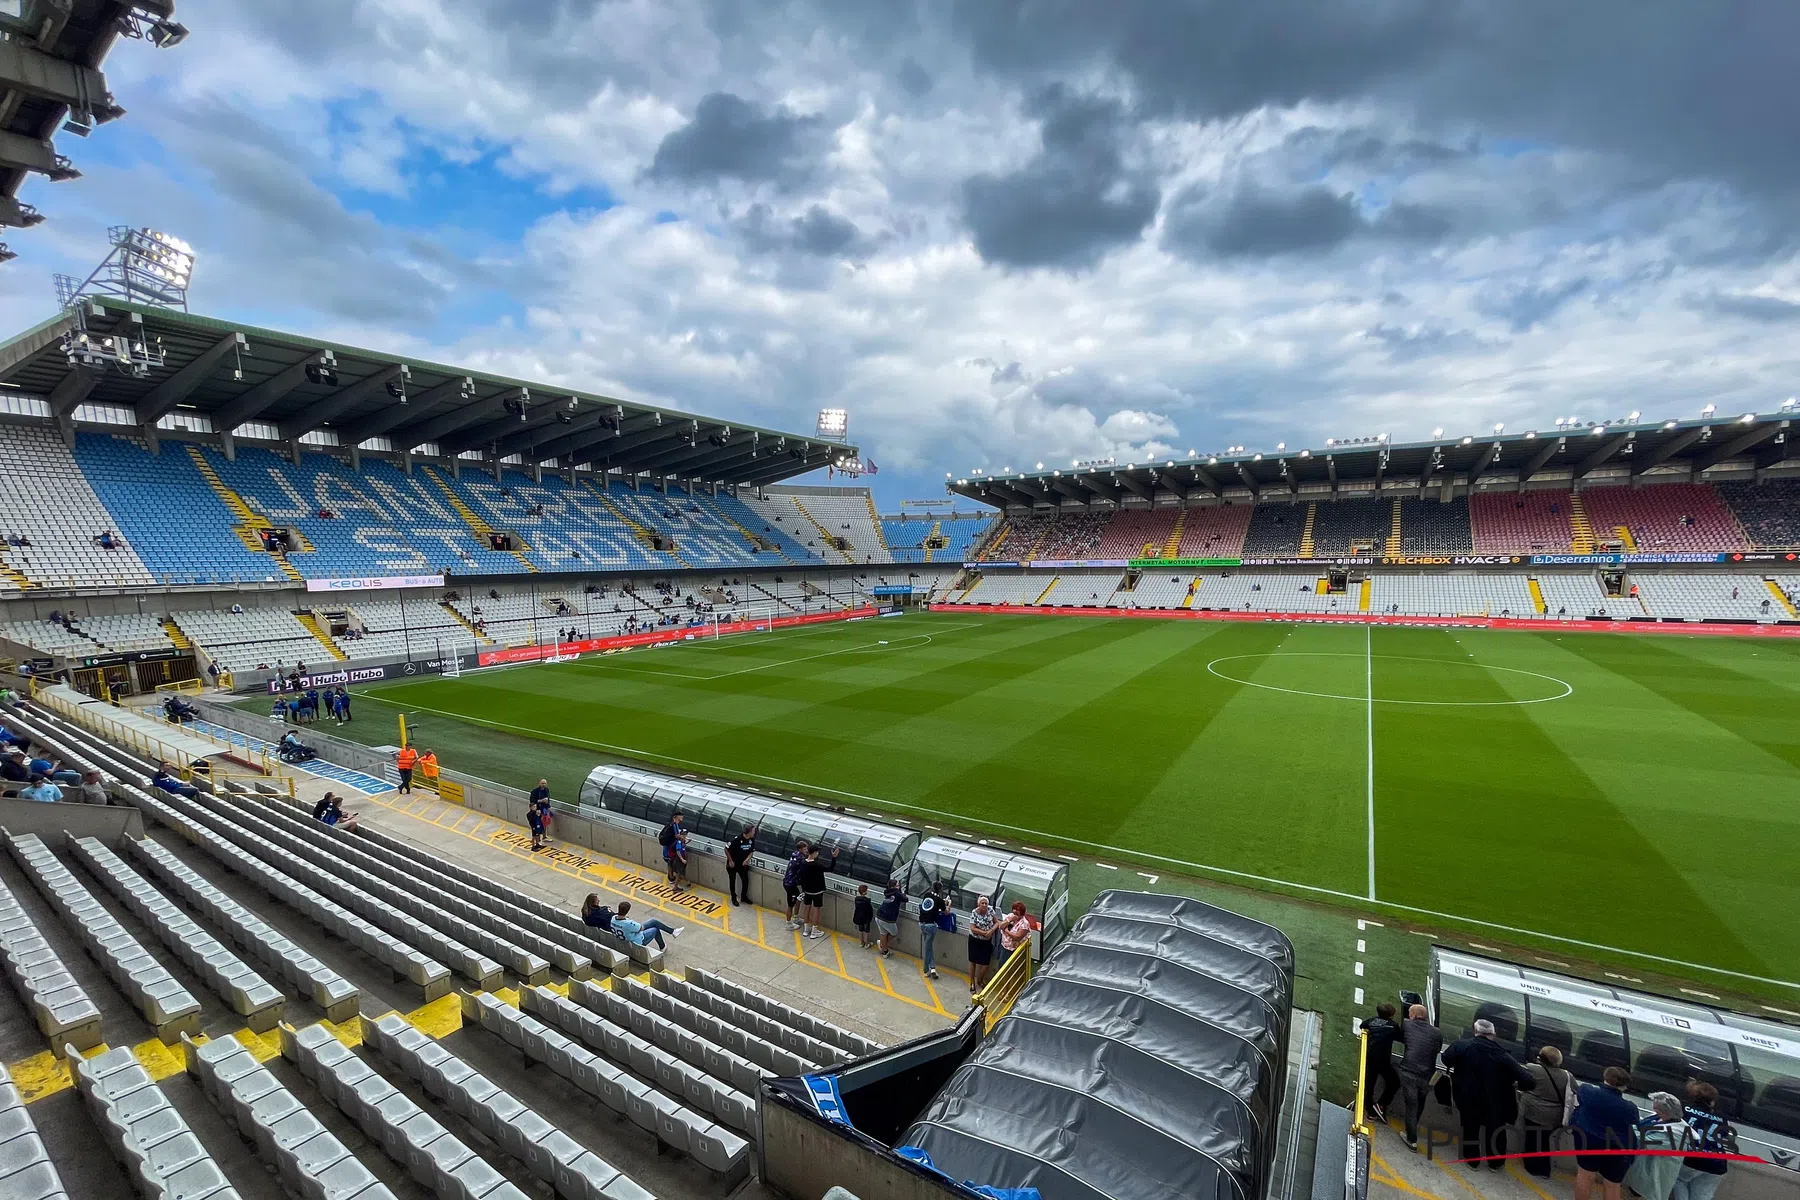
(1494, 1094)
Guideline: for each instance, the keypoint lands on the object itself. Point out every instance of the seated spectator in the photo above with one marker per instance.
(92, 790)
(335, 814)
(53, 769)
(166, 779)
(41, 790)
(15, 768)
(179, 710)
(641, 934)
(595, 913)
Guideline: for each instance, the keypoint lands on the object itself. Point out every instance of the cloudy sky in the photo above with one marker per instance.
(997, 231)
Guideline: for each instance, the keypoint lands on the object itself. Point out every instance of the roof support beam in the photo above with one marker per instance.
(418, 433)
(608, 445)
(1129, 482)
(579, 442)
(415, 408)
(1483, 463)
(1207, 480)
(1644, 463)
(179, 386)
(323, 412)
(253, 402)
(47, 77)
(1072, 490)
(1736, 446)
(21, 153)
(1249, 481)
(1331, 474)
(1606, 450)
(534, 435)
(1536, 462)
(72, 389)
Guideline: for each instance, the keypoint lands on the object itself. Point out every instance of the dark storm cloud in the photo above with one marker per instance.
(817, 231)
(1770, 310)
(1073, 201)
(731, 138)
(1256, 222)
(1530, 305)
(914, 78)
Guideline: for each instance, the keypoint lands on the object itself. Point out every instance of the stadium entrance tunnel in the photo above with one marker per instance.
(1391, 679)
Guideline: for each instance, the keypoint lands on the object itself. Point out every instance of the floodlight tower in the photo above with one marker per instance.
(144, 266)
(834, 425)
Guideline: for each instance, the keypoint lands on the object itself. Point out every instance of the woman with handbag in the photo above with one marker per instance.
(982, 922)
(1545, 1108)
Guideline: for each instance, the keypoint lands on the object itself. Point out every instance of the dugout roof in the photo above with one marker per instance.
(1675, 450)
(234, 374)
(1144, 1061)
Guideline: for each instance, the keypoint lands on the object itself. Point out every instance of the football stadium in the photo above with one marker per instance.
(425, 782)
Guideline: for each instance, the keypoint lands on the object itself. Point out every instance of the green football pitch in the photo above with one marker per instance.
(1613, 793)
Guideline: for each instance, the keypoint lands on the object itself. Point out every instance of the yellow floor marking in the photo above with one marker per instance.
(44, 1074)
(761, 935)
(935, 998)
(439, 1018)
(1512, 1168)
(262, 1046)
(349, 1033)
(608, 875)
(886, 983)
(1393, 1180)
(839, 951)
(160, 1059)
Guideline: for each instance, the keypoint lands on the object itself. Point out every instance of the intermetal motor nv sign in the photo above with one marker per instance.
(374, 583)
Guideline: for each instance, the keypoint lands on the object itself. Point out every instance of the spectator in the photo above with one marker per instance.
(547, 814)
(1378, 1066)
(790, 882)
(428, 768)
(887, 917)
(666, 838)
(1603, 1120)
(863, 916)
(812, 891)
(1545, 1107)
(404, 762)
(1710, 1133)
(737, 864)
(534, 820)
(595, 913)
(41, 790)
(166, 779)
(1484, 1082)
(52, 769)
(1652, 1176)
(15, 767)
(212, 671)
(540, 792)
(335, 814)
(92, 790)
(934, 911)
(1015, 931)
(644, 934)
(1420, 1041)
(323, 806)
(981, 943)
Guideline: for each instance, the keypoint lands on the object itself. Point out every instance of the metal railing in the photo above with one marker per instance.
(997, 996)
(1359, 1120)
(139, 741)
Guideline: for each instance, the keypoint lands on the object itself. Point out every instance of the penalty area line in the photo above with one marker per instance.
(1125, 851)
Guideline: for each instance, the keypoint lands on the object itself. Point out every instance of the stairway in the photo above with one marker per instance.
(250, 522)
(1193, 590)
(1581, 530)
(1368, 585)
(1394, 540)
(472, 519)
(480, 637)
(1045, 594)
(1625, 538)
(828, 539)
(1322, 587)
(178, 639)
(12, 576)
(1780, 597)
(1172, 544)
(318, 631)
(1306, 530)
(1537, 596)
(758, 544)
(880, 533)
(643, 533)
(771, 595)
(937, 531)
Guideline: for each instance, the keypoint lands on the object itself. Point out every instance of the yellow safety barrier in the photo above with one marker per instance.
(997, 996)
(1359, 1121)
(142, 743)
(189, 687)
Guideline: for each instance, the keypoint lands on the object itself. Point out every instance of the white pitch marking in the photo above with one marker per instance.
(1369, 673)
(1359, 970)
(1151, 878)
(1702, 995)
(1362, 947)
(1361, 925)
(1359, 1000)
(1106, 866)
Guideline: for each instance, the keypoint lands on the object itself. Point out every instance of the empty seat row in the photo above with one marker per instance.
(29, 1173)
(59, 1005)
(457, 917)
(648, 956)
(309, 1159)
(684, 1041)
(434, 1156)
(144, 1131)
(764, 1054)
(326, 988)
(770, 1029)
(667, 1119)
(400, 924)
(249, 994)
(570, 952)
(551, 1155)
(429, 974)
(170, 1008)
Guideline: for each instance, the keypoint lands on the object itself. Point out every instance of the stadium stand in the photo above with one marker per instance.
(1274, 531)
(1006, 588)
(1520, 522)
(1460, 594)
(1768, 512)
(906, 537)
(47, 504)
(1666, 518)
(1253, 592)
(1157, 589)
(1342, 526)
(1573, 595)
(239, 641)
(1214, 532)
(1435, 527)
(1740, 596)
(1137, 533)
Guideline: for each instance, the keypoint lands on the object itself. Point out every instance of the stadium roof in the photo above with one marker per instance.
(1675, 450)
(49, 70)
(234, 374)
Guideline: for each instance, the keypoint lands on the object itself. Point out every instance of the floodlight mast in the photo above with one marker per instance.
(144, 266)
(833, 426)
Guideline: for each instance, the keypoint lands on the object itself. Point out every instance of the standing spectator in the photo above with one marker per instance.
(887, 917)
(1710, 1133)
(1604, 1120)
(1485, 1080)
(812, 892)
(737, 865)
(667, 838)
(1421, 1041)
(212, 671)
(404, 762)
(343, 695)
(981, 942)
(540, 792)
(1545, 1107)
(934, 910)
(92, 790)
(546, 814)
(790, 882)
(1378, 1066)
(1015, 931)
(41, 790)
(644, 934)
(428, 768)
(678, 861)
(1652, 1176)
(863, 916)
(534, 820)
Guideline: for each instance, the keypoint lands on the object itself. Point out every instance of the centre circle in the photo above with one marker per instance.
(1558, 689)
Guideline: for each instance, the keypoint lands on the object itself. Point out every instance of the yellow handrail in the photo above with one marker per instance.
(1360, 1120)
(996, 997)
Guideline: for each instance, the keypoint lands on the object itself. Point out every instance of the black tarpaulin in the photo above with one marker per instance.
(1143, 1062)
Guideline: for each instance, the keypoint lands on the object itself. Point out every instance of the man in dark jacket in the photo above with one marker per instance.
(1378, 1066)
(1604, 1120)
(1421, 1041)
(1485, 1081)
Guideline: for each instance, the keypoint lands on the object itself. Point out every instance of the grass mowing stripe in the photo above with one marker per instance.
(1369, 738)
